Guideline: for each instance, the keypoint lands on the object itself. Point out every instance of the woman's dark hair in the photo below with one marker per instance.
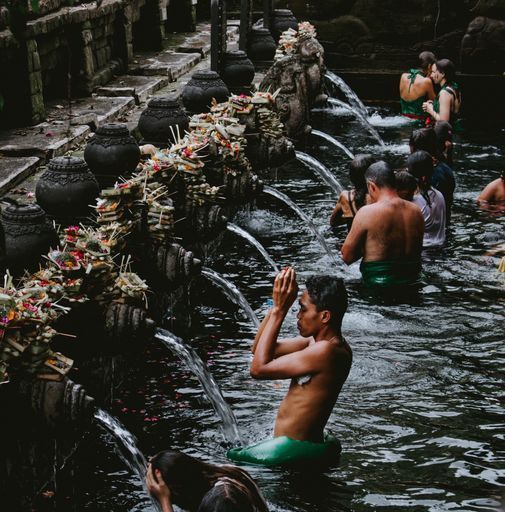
(359, 164)
(424, 139)
(405, 181)
(328, 292)
(420, 165)
(190, 479)
(426, 59)
(225, 498)
(447, 67)
(381, 174)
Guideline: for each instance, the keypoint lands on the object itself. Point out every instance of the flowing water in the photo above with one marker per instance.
(197, 366)
(232, 292)
(351, 96)
(308, 221)
(421, 417)
(325, 174)
(361, 117)
(237, 230)
(334, 141)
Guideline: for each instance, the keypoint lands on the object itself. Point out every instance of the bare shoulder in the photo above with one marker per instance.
(332, 349)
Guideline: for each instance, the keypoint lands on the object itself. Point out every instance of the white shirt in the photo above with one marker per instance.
(434, 216)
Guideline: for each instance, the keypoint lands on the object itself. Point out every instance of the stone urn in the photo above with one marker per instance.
(28, 236)
(198, 93)
(282, 19)
(238, 70)
(112, 152)
(261, 44)
(67, 188)
(163, 118)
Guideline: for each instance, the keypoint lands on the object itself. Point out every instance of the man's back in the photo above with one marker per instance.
(305, 409)
(419, 87)
(394, 230)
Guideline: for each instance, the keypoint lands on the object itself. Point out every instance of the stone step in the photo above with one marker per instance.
(14, 170)
(138, 87)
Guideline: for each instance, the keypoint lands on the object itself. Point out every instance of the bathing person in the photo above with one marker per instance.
(350, 201)
(317, 362)
(447, 105)
(430, 200)
(176, 478)
(406, 185)
(494, 192)
(443, 133)
(425, 139)
(416, 87)
(387, 234)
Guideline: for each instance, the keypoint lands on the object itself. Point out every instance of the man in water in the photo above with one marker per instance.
(416, 87)
(317, 362)
(387, 234)
(494, 192)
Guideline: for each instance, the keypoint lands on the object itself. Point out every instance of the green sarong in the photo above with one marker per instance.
(284, 450)
(390, 273)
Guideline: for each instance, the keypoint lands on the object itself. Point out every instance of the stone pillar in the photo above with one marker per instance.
(128, 17)
(36, 98)
(268, 9)
(217, 33)
(88, 68)
(245, 23)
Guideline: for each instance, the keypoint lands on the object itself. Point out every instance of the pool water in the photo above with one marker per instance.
(421, 417)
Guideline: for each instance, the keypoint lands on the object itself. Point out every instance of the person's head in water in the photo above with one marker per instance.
(379, 176)
(359, 164)
(426, 60)
(190, 479)
(322, 305)
(406, 185)
(424, 139)
(443, 72)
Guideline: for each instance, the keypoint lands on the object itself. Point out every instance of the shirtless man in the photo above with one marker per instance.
(387, 234)
(416, 87)
(317, 362)
(494, 192)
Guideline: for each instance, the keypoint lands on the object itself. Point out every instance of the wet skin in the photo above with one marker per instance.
(320, 351)
(390, 228)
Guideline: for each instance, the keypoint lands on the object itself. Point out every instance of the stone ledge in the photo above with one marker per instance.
(169, 64)
(13, 170)
(138, 87)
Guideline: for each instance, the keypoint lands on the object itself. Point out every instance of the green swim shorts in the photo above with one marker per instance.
(283, 450)
(390, 273)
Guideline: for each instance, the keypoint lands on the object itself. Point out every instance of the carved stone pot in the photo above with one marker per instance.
(175, 263)
(112, 152)
(28, 235)
(57, 404)
(238, 70)
(67, 188)
(125, 323)
(198, 93)
(261, 45)
(157, 121)
(282, 20)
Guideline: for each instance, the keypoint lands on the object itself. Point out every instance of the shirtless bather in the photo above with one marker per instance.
(317, 362)
(387, 234)
(494, 192)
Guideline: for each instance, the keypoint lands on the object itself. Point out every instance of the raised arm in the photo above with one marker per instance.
(352, 250)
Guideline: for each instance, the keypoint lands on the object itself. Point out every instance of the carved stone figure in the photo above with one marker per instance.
(483, 46)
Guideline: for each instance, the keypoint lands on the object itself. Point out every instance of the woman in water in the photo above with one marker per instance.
(176, 478)
(447, 105)
(350, 201)
(429, 199)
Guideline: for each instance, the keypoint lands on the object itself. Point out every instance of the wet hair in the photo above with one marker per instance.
(443, 130)
(381, 174)
(190, 479)
(420, 165)
(448, 69)
(359, 164)
(424, 139)
(426, 59)
(225, 498)
(328, 293)
(405, 181)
